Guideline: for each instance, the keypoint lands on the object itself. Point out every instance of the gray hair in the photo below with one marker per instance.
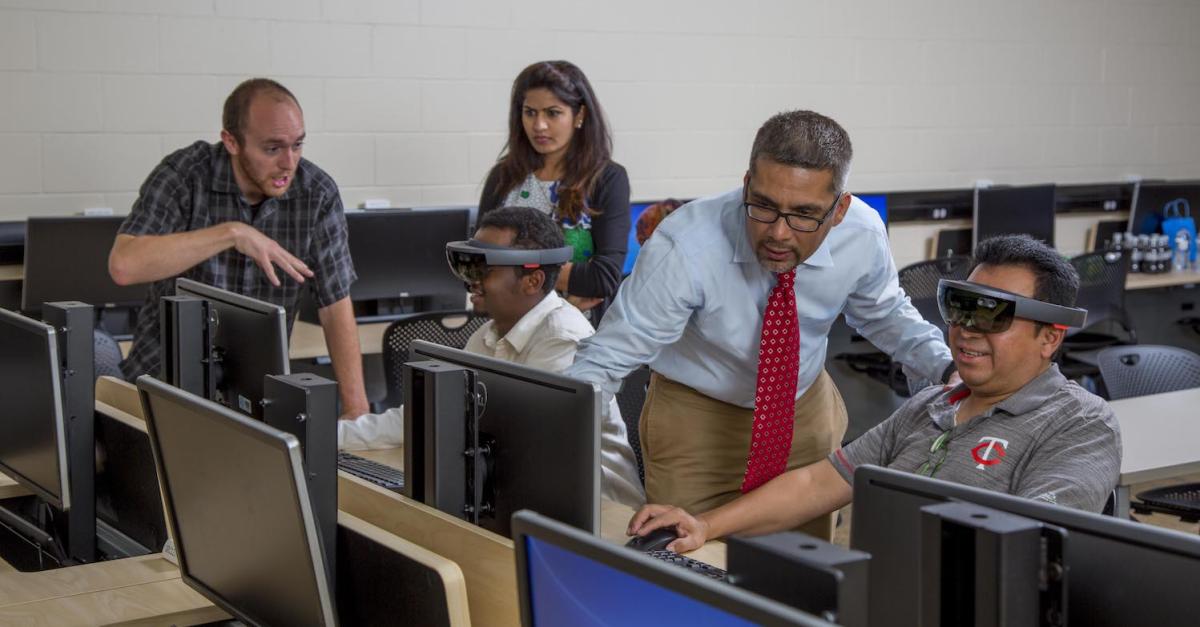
(805, 139)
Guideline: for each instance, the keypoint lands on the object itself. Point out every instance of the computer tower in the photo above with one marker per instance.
(305, 405)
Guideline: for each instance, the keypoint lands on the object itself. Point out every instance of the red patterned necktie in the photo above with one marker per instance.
(775, 392)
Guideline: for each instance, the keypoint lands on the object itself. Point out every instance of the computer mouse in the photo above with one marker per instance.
(656, 540)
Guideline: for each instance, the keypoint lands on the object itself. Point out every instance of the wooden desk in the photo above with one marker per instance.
(486, 559)
(308, 340)
(14, 272)
(1149, 281)
(1158, 439)
(141, 590)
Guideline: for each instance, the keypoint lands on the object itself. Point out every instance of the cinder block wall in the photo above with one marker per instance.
(406, 99)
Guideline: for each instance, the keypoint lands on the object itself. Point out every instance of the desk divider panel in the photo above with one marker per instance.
(121, 395)
(383, 579)
(487, 560)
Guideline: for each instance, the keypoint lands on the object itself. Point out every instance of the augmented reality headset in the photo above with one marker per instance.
(469, 260)
(990, 310)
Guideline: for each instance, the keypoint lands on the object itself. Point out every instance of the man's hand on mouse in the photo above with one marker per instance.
(692, 530)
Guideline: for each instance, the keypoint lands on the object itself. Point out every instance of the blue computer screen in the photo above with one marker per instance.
(632, 246)
(878, 202)
(569, 589)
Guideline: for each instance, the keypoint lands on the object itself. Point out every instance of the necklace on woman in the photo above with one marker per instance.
(542, 196)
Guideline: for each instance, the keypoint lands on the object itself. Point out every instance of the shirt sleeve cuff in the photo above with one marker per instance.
(842, 464)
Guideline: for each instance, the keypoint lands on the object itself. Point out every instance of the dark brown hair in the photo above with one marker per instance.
(237, 105)
(588, 153)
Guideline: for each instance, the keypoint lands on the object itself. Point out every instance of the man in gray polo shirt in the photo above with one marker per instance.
(1014, 425)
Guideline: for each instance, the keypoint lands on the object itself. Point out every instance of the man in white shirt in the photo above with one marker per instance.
(530, 326)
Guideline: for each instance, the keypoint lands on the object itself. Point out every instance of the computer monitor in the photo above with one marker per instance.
(33, 448)
(66, 258)
(632, 246)
(12, 242)
(249, 341)
(568, 577)
(46, 439)
(1119, 572)
(544, 434)
(1007, 210)
(878, 202)
(400, 255)
(238, 510)
(950, 242)
(1150, 201)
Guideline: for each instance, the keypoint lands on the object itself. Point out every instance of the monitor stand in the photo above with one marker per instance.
(27, 547)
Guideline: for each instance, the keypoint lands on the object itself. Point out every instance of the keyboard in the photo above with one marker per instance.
(381, 475)
(696, 566)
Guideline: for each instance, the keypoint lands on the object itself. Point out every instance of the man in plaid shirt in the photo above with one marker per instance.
(249, 215)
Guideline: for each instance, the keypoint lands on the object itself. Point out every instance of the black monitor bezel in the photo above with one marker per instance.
(396, 274)
(870, 481)
(148, 386)
(225, 298)
(722, 596)
(979, 199)
(32, 301)
(62, 501)
(421, 350)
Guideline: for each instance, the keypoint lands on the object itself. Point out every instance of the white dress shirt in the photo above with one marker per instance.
(544, 338)
(693, 306)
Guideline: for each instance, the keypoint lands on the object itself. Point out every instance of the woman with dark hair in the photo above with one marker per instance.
(559, 159)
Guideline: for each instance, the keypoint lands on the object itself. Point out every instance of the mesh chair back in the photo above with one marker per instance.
(106, 355)
(448, 328)
(920, 282)
(630, 400)
(1102, 286)
(1147, 369)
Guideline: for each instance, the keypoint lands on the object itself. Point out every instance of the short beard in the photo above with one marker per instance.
(777, 266)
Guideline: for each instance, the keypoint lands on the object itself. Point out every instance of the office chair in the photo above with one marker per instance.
(449, 328)
(106, 355)
(1147, 369)
(630, 400)
(1102, 293)
(920, 283)
(1142, 370)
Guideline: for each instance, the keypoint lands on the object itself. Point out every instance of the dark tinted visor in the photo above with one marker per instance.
(982, 312)
(991, 310)
(468, 267)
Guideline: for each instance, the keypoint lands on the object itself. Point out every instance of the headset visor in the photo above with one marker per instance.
(990, 310)
(470, 259)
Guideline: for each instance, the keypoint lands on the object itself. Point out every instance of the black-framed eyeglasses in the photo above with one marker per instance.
(795, 221)
(937, 455)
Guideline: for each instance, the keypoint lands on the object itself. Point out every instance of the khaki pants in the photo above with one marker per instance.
(694, 447)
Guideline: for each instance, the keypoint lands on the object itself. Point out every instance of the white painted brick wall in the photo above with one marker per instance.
(407, 99)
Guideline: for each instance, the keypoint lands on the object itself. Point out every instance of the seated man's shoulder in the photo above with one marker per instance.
(925, 397)
(566, 322)
(1073, 409)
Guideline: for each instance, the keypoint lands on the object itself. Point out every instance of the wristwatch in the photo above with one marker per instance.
(950, 369)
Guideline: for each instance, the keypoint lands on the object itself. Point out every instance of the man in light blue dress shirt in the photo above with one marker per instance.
(693, 307)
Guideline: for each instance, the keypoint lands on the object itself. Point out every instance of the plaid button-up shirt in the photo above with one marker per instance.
(194, 188)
